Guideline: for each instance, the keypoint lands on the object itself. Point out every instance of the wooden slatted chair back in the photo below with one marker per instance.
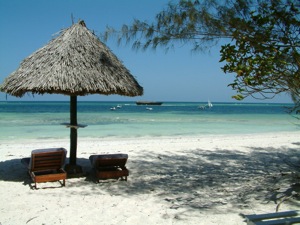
(43, 160)
(104, 162)
(110, 166)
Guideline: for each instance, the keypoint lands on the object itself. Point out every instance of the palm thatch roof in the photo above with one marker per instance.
(74, 63)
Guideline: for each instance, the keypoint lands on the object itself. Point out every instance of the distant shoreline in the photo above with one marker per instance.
(148, 138)
(134, 102)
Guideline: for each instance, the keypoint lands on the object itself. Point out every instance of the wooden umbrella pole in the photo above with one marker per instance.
(72, 169)
(73, 129)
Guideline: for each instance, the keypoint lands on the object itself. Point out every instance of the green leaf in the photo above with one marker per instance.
(238, 97)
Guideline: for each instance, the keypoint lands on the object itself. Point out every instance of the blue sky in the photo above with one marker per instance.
(178, 75)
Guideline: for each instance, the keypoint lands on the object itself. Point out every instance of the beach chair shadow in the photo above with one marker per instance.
(46, 165)
(13, 171)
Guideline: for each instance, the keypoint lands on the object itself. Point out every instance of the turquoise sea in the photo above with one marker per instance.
(41, 120)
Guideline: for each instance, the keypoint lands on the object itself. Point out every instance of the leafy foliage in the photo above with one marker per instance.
(264, 53)
(263, 40)
(200, 23)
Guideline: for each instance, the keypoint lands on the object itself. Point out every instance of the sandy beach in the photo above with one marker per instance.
(172, 180)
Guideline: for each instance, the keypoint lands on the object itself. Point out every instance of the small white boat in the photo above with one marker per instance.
(148, 108)
(208, 106)
(113, 108)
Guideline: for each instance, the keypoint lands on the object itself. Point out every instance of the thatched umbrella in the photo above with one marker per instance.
(75, 63)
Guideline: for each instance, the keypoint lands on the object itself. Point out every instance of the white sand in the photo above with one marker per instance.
(188, 180)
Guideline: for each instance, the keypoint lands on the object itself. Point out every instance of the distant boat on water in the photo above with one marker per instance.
(116, 107)
(148, 103)
(208, 106)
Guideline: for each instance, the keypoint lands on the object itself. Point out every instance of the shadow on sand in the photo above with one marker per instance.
(196, 179)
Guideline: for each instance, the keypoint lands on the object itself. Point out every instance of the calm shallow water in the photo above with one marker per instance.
(41, 120)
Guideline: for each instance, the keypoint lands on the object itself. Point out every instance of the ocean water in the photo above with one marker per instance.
(42, 120)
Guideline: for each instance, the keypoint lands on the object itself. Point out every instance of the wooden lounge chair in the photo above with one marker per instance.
(46, 165)
(279, 218)
(110, 166)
